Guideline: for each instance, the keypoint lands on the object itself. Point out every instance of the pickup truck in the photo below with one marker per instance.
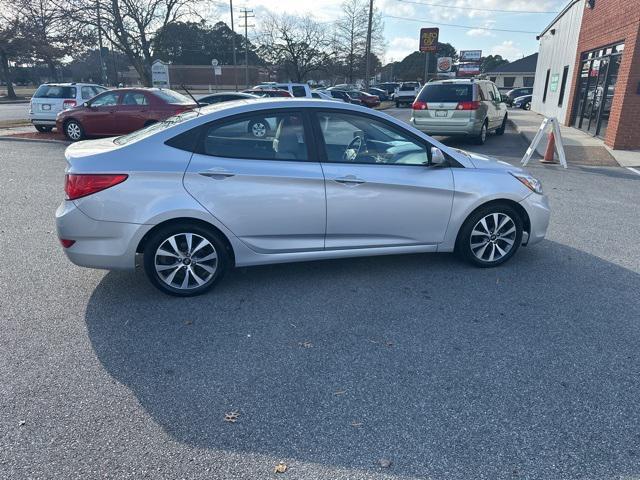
(406, 93)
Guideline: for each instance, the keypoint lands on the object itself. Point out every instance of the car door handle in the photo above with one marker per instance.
(218, 174)
(349, 180)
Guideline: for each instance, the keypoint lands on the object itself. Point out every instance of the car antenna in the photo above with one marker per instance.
(192, 97)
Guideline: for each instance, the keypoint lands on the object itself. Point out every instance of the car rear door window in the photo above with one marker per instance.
(298, 91)
(444, 93)
(268, 136)
(134, 98)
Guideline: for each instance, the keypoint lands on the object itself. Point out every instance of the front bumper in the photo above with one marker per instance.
(537, 207)
(98, 244)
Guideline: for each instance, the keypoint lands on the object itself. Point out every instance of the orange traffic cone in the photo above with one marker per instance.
(551, 146)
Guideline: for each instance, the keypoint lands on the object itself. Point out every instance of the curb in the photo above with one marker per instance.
(9, 138)
(522, 135)
(14, 102)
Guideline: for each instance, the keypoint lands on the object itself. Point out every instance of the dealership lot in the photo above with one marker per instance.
(529, 370)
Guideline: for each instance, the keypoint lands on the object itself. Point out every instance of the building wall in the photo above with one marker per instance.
(556, 51)
(517, 83)
(614, 21)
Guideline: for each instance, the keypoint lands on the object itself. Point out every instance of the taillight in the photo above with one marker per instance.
(67, 104)
(418, 105)
(81, 185)
(468, 105)
(66, 243)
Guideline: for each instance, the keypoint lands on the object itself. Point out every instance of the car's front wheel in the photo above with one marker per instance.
(73, 130)
(490, 236)
(185, 260)
(503, 126)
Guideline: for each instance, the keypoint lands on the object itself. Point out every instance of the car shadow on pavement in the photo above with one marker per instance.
(529, 370)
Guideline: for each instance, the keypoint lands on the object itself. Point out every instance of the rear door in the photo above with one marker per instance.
(269, 191)
(132, 113)
(381, 192)
(100, 117)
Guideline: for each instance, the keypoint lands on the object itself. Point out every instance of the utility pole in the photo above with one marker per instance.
(233, 45)
(367, 70)
(102, 65)
(246, 13)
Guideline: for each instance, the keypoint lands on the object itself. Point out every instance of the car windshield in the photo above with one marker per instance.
(446, 93)
(155, 128)
(172, 97)
(55, 91)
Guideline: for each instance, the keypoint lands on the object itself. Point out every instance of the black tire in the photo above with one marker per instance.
(466, 236)
(503, 126)
(527, 106)
(258, 127)
(217, 246)
(43, 128)
(482, 136)
(397, 104)
(73, 130)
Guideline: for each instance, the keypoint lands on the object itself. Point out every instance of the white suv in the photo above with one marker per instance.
(295, 89)
(52, 98)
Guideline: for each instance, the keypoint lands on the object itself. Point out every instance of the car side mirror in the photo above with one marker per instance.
(437, 157)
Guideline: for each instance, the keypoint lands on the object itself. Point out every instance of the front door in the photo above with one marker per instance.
(380, 190)
(100, 118)
(263, 184)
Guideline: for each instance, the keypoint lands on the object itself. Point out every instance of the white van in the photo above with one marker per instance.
(295, 89)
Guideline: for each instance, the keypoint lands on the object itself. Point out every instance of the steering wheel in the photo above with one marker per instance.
(352, 150)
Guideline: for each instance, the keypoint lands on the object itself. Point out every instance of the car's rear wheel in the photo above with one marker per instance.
(43, 128)
(490, 236)
(185, 260)
(503, 126)
(259, 128)
(482, 136)
(73, 130)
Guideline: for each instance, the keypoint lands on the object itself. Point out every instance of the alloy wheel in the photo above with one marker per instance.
(259, 129)
(186, 261)
(493, 237)
(73, 131)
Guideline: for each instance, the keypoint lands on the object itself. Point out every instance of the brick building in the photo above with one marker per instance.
(604, 87)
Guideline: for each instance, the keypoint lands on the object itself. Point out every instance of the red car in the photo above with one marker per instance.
(367, 99)
(121, 111)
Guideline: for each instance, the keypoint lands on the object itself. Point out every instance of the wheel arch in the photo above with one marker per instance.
(524, 216)
(180, 221)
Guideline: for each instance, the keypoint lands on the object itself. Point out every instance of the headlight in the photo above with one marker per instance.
(532, 183)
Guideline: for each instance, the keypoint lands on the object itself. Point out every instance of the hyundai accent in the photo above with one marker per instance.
(190, 197)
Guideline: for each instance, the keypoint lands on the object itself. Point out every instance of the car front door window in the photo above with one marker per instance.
(353, 138)
(106, 100)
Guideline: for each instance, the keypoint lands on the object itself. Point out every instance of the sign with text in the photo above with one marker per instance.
(429, 39)
(160, 74)
(468, 69)
(444, 64)
(470, 55)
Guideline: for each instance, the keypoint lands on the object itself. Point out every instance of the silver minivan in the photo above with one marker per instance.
(460, 107)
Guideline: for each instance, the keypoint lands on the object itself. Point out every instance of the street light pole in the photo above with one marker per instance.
(102, 65)
(367, 70)
(233, 45)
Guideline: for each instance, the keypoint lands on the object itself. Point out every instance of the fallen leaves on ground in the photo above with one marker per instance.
(280, 468)
(232, 417)
(339, 392)
(356, 424)
(384, 462)
(306, 344)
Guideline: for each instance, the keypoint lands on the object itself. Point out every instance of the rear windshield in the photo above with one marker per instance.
(156, 127)
(446, 93)
(55, 91)
(408, 86)
(172, 97)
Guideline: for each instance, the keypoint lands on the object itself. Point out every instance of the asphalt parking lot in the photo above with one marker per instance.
(527, 371)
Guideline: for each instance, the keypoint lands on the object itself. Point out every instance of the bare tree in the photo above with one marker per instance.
(298, 44)
(130, 25)
(9, 47)
(351, 36)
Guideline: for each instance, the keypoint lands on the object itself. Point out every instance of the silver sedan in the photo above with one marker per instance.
(199, 193)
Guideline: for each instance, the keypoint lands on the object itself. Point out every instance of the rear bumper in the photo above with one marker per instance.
(405, 98)
(98, 244)
(537, 207)
(45, 122)
(442, 127)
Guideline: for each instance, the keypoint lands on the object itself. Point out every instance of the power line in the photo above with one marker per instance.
(458, 26)
(494, 10)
